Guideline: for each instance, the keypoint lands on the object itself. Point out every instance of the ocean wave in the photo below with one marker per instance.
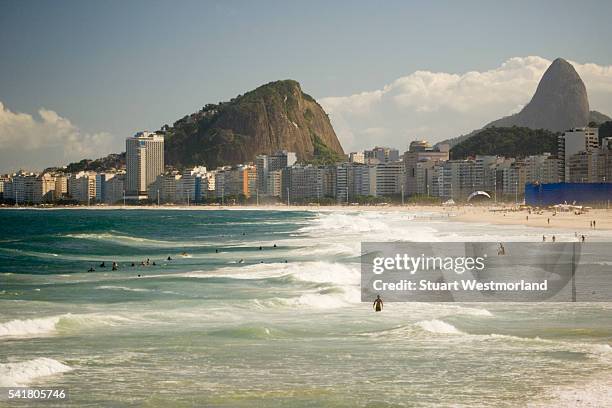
(470, 311)
(46, 326)
(29, 327)
(603, 351)
(331, 298)
(438, 327)
(248, 332)
(45, 255)
(142, 290)
(129, 240)
(124, 288)
(315, 271)
(21, 374)
(368, 226)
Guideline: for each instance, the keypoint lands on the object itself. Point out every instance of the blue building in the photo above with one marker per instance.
(559, 193)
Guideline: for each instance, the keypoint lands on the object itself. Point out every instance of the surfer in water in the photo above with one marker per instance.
(378, 304)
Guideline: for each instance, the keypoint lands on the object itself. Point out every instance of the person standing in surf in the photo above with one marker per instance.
(378, 304)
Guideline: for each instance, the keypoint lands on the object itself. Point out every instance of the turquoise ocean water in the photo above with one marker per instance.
(227, 324)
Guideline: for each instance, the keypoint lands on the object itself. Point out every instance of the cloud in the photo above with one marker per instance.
(36, 142)
(438, 105)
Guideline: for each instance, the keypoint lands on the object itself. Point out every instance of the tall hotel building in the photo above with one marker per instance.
(144, 162)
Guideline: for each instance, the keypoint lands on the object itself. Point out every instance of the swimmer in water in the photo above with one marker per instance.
(378, 304)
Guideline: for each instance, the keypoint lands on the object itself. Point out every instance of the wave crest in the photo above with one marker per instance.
(21, 374)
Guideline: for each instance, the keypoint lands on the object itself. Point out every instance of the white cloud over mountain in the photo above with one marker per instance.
(36, 142)
(438, 105)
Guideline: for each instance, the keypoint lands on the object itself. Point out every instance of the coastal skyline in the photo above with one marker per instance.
(80, 81)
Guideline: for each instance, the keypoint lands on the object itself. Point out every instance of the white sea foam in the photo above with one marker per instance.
(22, 373)
(367, 226)
(590, 393)
(29, 327)
(133, 241)
(124, 288)
(316, 271)
(471, 311)
(50, 325)
(323, 300)
(438, 327)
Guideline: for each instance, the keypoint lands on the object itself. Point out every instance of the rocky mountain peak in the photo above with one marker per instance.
(559, 103)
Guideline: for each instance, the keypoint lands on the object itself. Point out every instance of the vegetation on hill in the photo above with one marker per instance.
(275, 116)
(507, 141)
(605, 130)
(110, 162)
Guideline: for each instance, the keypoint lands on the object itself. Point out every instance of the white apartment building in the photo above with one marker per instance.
(82, 187)
(144, 162)
(114, 188)
(572, 142)
(542, 168)
(274, 183)
(356, 157)
(389, 178)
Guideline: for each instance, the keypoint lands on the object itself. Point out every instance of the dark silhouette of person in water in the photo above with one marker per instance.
(378, 304)
(102, 265)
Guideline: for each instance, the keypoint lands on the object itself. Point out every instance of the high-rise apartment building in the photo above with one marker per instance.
(144, 162)
(574, 141)
(418, 152)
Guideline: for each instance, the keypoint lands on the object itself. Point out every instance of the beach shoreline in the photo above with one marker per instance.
(484, 214)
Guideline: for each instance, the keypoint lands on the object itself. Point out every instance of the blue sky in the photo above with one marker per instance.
(111, 68)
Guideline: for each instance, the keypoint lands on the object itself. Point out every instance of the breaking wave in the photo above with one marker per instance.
(21, 374)
(438, 326)
(50, 325)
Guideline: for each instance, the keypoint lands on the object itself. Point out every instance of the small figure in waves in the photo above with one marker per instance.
(378, 304)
